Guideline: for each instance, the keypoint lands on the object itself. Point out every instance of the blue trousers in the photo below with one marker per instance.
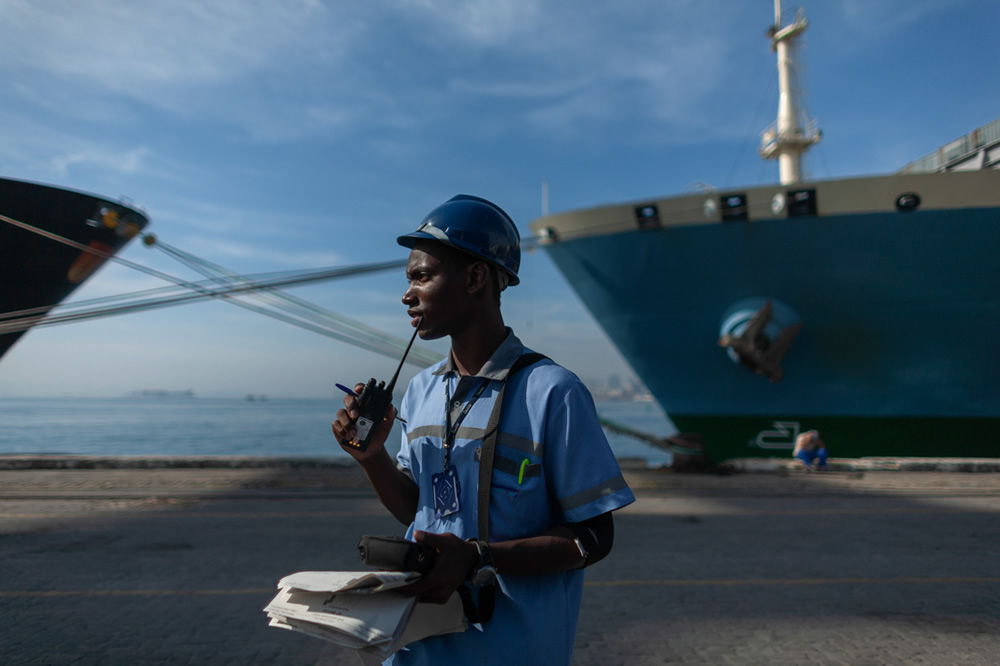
(809, 456)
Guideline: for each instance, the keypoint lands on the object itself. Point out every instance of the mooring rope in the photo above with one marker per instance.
(303, 313)
(222, 284)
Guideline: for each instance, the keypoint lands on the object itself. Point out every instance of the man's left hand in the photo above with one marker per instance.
(452, 567)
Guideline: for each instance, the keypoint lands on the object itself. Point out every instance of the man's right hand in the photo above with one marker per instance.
(345, 430)
(396, 491)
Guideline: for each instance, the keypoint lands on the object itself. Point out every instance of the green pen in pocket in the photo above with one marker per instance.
(520, 474)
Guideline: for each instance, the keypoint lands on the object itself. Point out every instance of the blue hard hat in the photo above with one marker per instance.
(476, 226)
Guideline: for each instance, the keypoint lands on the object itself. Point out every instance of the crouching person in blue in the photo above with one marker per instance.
(554, 480)
(810, 450)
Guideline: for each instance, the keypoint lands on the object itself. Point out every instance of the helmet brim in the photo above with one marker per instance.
(411, 239)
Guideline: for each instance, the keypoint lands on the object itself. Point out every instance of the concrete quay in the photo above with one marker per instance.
(171, 563)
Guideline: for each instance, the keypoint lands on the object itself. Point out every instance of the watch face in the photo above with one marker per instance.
(484, 576)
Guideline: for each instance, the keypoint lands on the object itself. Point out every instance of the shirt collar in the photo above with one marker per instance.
(499, 364)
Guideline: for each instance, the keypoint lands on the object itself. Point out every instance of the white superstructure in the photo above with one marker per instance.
(793, 133)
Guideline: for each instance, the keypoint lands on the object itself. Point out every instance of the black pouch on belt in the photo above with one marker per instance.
(395, 554)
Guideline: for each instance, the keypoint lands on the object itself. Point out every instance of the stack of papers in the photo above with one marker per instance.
(359, 610)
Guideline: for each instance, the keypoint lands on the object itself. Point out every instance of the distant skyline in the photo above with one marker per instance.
(271, 135)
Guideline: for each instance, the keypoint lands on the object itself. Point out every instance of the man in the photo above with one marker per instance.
(810, 449)
(555, 480)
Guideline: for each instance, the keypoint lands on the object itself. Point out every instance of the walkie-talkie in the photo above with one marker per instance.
(374, 400)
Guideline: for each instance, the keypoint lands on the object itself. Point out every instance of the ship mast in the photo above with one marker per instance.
(793, 133)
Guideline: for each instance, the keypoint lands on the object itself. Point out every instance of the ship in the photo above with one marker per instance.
(52, 240)
(865, 308)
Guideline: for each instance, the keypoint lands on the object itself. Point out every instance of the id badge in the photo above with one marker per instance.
(445, 487)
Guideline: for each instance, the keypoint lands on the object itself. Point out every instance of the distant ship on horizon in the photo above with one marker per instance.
(162, 393)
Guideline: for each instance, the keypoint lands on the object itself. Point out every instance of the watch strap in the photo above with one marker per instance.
(485, 560)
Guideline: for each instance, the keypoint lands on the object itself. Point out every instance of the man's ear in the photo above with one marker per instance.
(478, 276)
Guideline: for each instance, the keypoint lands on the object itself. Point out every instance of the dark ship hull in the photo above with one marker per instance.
(51, 241)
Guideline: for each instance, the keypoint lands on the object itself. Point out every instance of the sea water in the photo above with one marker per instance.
(137, 426)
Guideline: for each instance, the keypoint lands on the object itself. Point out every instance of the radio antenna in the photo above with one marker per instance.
(392, 382)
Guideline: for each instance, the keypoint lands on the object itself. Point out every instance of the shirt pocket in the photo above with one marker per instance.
(517, 509)
(513, 477)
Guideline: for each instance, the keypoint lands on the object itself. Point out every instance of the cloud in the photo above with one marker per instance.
(131, 47)
(256, 237)
(282, 71)
(565, 72)
(37, 150)
(125, 163)
(262, 254)
(530, 89)
(482, 22)
(188, 58)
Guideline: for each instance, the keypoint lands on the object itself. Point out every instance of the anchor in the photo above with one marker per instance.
(758, 352)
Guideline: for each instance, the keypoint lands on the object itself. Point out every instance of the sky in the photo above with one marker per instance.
(277, 135)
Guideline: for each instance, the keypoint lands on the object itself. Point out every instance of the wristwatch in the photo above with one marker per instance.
(485, 573)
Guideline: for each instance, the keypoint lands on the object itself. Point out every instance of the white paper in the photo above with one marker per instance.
(318, 631)
(373, 618)
(358, 610)
(341, 581)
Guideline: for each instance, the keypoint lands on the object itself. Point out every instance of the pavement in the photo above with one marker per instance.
(136, 561)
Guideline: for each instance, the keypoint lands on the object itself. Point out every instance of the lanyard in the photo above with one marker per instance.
(452, 429)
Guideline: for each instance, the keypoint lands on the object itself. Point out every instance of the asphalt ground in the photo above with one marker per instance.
(173, 566)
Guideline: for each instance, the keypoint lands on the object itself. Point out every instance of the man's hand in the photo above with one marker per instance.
(396, 491)
(452, 567)
(345, 430)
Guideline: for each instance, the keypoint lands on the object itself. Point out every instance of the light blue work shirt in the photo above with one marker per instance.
(571, 475)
